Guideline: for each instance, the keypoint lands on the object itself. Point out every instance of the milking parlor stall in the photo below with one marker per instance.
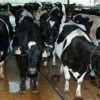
(50, 49)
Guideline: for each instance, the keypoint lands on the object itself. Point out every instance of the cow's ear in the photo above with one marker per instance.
(90, 23)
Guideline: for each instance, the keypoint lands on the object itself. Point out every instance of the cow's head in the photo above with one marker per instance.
(34, 53)
(83, 20)
(24, 45)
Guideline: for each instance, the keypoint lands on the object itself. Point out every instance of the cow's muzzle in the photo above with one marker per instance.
(32, 70)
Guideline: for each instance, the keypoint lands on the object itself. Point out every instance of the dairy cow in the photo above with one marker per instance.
(77, 54)
(6, 34)
(27, 47)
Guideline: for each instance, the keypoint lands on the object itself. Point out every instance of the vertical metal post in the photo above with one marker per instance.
(68, 2)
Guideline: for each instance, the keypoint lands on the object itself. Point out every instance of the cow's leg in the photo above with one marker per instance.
(35, 83)
(1, 70)
(23, 80)
(34, 77)
(61, 69)
(23, 85)
(67, 78)
(79, 82)
(54, 59)
(22, 65)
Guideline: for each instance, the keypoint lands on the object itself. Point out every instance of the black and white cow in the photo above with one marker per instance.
(49, 27)
(94, 29)
(78, 55)
(27, 46)
(6, 34)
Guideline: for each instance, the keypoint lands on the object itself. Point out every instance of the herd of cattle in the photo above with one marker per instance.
(32, 34)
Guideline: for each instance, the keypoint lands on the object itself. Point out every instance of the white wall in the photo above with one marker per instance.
(83, 2)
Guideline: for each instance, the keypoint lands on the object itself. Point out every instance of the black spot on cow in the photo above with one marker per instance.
(85, 21)
(77, 18)
(98, 33)
(64, 33)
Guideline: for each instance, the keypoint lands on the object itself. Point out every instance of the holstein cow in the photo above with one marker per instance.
(27, 47)
(6, 35)
(78, 55)
(94, 29)
(49, 27)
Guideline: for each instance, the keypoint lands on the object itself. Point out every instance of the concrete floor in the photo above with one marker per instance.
(46, 92)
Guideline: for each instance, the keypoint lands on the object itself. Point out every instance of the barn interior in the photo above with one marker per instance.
(50, 80)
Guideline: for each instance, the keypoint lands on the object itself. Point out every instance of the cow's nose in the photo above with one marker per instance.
(32, 70)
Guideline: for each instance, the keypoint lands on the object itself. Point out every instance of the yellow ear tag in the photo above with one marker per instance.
(44, 54)
(18, 51)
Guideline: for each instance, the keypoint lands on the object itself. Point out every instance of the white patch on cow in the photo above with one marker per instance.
(2, 52)
(63, 18)
(63, 9)
(67, 78)
(75, 33)
(47, 45)
(79, 82)
(95, 41)
(24, 14)
(75, 74)
(64, 14)
(32, 70)
(12, 21)
(54, 8)
(31, 43)
(50, 46)
(40, 5)
(71, 23)
(52, 23)
(45, 63)
(59, 47)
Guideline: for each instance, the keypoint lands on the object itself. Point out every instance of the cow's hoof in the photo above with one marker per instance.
(22, 92)
(35, 90)
(78, 98)
(23, 89)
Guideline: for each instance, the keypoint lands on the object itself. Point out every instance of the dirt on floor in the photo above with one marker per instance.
(89, 90)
